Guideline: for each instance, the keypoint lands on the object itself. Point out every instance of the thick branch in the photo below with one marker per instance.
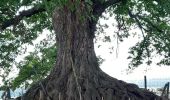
(111, 2)
(18, 18)
(99, 7)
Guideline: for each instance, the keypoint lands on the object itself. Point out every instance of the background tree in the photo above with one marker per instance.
(76, 75)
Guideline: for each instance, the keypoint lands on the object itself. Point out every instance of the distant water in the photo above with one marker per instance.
(1, 94)
(14, 94)
(151, 83)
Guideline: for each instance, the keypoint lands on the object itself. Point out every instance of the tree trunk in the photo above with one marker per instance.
(76, 75)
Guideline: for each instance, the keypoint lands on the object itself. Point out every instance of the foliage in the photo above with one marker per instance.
(35, 67)
(24, 32)
(150, 16)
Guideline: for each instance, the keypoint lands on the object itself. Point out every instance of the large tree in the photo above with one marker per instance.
(76, 74)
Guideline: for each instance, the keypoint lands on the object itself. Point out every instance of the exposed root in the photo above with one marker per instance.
(106, 88)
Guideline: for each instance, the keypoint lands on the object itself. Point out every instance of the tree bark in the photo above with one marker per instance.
(76, 75)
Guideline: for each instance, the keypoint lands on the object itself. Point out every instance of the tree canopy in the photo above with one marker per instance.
(22, 21)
